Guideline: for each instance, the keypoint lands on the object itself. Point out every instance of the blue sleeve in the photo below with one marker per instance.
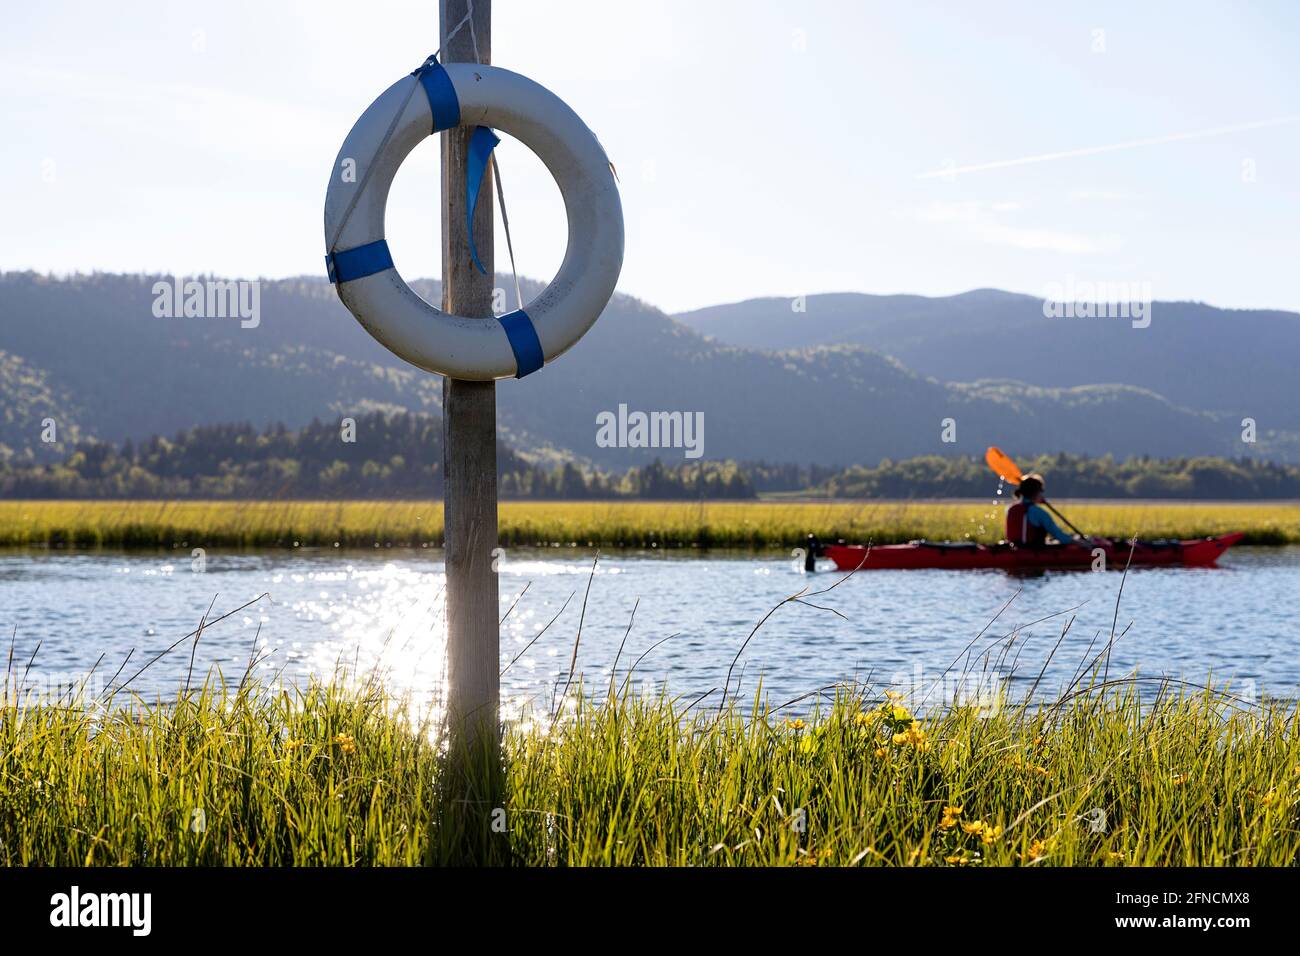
(1039, 518)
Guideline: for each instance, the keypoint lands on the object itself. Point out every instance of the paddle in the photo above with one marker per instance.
(1008, 470)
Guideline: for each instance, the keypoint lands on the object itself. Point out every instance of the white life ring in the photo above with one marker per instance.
(475, 349)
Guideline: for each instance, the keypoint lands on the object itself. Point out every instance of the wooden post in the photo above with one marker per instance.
(469, 428)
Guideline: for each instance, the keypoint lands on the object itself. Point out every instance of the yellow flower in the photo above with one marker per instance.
(795, 724)
(1179, 779)
(293, 744)
(956, 860)
(949, 818)
(870, 717)
(987, 833)
(913, 737)
(814, 858)
(1020, 764)
(881, 753)
(900, 714)
(346, 742)
(1037, 850)
(1115, 856)
(1269, 798)
(893, 695)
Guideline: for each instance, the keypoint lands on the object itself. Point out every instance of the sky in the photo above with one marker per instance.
(763, 148)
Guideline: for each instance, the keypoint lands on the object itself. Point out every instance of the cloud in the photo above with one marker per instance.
(1109, 147)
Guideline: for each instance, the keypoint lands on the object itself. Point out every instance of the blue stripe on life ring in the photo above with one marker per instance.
(358, 262)
(523, 342)
(443, 102)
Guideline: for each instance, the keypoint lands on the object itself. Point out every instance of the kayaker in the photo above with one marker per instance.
(1028, 523)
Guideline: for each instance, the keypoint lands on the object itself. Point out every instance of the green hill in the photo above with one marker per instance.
(1235, 362)
(90, 348)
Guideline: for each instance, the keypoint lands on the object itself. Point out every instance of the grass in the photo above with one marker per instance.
(230, 779)
(370, 524)
(322, 776)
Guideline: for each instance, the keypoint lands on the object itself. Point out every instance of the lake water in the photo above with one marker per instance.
(1239, 622)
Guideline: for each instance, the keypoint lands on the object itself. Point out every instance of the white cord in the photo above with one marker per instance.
(510, 246)
(473, 37)
(468, 18)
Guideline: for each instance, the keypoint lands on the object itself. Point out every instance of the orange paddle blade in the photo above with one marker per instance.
(1002, 465)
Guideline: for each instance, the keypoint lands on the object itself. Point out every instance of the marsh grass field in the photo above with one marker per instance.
(1109, 775)
(641, 524)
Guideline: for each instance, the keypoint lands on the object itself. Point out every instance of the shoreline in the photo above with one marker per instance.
(753, 526)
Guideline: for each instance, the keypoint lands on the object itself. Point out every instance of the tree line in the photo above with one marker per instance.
(1073, 476)
(399, 455)
(389, 455)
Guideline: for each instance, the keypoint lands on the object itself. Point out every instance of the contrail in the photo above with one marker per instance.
(1113, 147)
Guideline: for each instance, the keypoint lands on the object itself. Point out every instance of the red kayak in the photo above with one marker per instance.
(959, 556)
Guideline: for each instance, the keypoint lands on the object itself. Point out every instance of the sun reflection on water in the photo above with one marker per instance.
(388, 622)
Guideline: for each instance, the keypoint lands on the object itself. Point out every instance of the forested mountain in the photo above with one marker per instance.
(1236, 362)
(90, 352)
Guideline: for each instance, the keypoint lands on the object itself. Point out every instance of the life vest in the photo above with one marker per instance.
(1020, 531)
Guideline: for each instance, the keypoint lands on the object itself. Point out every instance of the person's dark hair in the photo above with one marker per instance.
(1031, 486)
